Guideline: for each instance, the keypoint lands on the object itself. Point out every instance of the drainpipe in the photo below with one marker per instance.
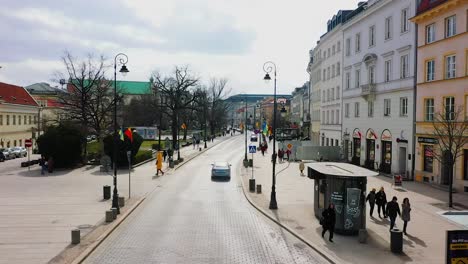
(415, 94)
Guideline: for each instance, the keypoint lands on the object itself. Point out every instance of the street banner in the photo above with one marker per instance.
(457, 246)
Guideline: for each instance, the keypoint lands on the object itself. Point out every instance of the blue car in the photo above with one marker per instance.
(221, 169)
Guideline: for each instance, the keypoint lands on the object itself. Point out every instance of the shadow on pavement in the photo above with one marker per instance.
(417, 240)
(37, 173)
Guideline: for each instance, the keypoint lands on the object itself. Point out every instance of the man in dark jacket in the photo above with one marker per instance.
(329, 220)
(393, 209)
(371, 198)
(381, 201)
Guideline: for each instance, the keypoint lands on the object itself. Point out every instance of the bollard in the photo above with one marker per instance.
(75, 236)
(121, 201)
(362, 236)
(259, 188)
(114, 213)
(252, 185)
(109, 216)
(106, 189)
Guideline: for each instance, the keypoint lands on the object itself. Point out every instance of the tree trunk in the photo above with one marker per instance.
(451, 165)
(174, 127)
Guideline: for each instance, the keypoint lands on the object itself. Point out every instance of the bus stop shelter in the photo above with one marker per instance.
(344, 185)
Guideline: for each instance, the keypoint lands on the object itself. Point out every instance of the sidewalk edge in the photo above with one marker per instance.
(291, 231)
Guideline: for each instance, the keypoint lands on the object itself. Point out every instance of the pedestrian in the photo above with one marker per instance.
(159, 162)
(288, 152)
(280, 155)
(50, 164)
(301, 167)
(43, 164)
(405, 213)
(270, 138)
(328, 221)
(381, 201)
(392, 210)
(371, 198)
(164, 155)
(262, 148)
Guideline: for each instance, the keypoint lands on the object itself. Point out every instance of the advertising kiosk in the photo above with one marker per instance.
(344, 185)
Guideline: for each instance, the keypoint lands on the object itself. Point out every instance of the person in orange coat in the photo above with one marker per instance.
(159, 162)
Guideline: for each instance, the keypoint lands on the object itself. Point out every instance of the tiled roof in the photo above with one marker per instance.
(13, 94)
(425, 5)
(43, 88)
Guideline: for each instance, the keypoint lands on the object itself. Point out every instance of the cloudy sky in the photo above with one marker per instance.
(216, 38)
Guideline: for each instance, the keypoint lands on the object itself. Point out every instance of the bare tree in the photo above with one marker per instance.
(217, 92)
(178, 94)
(451, 131)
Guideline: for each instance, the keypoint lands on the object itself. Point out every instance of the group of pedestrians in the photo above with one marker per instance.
(283, 155)
(389, 209)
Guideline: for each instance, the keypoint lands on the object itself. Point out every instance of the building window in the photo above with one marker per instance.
(356, 109)
(333, 116)
(449, 108)
(388, 70)
(337, 116)
(333, 71)
(371, 36)
(404, 20)
(333, 93)
(328, 73)
(1, 120)
(429, 109)
(388, 28)
(358, 78)
(35, 119)
(323, 96)
(387, 109)
(404, 60)
(371, 74)
(430, 68)
(370, 109)
(328, 53)
(450, 26)
(328, 117)
(328, 95)
(348, 46)
(358, 43)
(430, 33)
(338, 92)
(348, 80)
(338, 46)
(450, 67)
(30, 120)
(19, 120)
(24, 120)
(347, 110)
(403, 106)
(333, 50)
(428, 158)
(338, 69)
(14, 120)
(8, 120)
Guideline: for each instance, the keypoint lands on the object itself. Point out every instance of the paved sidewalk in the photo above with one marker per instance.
(424, 244)
(38, 212)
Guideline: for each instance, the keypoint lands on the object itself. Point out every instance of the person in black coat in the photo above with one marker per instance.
(393, 209)
(329, 220)
(381, 201)
(371, 198)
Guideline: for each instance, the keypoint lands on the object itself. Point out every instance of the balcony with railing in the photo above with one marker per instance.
(368, 91)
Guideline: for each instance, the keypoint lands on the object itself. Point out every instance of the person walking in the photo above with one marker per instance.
(393, 209)
(405, 214)
(288, 152)
(328, 221)
(164, 155)
(159, 162)
(280, 155)
(263, 148)
(381, 201)
(43, 164)
(50, 164)
(371, 198)
(301, 167)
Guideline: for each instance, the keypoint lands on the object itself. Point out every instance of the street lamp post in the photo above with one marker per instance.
(269, 67)
(160, 121)
(122, 59)
(245, 129)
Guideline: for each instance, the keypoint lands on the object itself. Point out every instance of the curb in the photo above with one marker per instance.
(291, 231)
(83, 256)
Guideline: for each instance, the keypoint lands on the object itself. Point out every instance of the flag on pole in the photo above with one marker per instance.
(265, 128)
(129, 134)
(121, 135)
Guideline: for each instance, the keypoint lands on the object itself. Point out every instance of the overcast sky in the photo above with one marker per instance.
(216, 38)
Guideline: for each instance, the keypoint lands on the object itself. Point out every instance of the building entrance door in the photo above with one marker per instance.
(402, 160)
(386, 159)
(370, 153)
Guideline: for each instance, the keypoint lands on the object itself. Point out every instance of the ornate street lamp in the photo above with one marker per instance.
(122, 59)
(269, 67)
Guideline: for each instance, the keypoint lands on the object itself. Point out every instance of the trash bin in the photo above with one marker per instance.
(107, 192)
(250, 162)
(171, 163)
(396, 241)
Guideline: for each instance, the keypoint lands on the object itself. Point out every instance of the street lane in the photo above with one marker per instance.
(191, 219)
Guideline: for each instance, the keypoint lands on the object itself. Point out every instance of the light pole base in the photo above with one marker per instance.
(273, 204)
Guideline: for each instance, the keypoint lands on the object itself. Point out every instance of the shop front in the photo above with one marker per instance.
(386, 158)
(356, 159)
(370, 149)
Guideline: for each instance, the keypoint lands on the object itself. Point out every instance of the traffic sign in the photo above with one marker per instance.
(290, 146)
(252, 149)
(28, 143)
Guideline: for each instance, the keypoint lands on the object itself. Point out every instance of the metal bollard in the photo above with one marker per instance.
(109, 216)
(259, 188)
(75, 236)
(106, 189)
(114, 213)
(121, 201)
(252, 185)
(362, 236)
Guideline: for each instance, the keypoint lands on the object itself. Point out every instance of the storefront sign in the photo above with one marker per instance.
(386, 135)
(428, 140)
(457, 246)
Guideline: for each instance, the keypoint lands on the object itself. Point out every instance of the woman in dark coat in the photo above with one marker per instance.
(381, 201)
(329, 220)
(405, 213)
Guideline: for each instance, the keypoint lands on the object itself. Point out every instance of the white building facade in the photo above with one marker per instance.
(315, 85)
(378, 86)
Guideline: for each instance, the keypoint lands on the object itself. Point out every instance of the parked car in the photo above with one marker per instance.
(253, 137)
(221, 169)
(2, 157)
(20, 152)
(6, 153)
(12, 153)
